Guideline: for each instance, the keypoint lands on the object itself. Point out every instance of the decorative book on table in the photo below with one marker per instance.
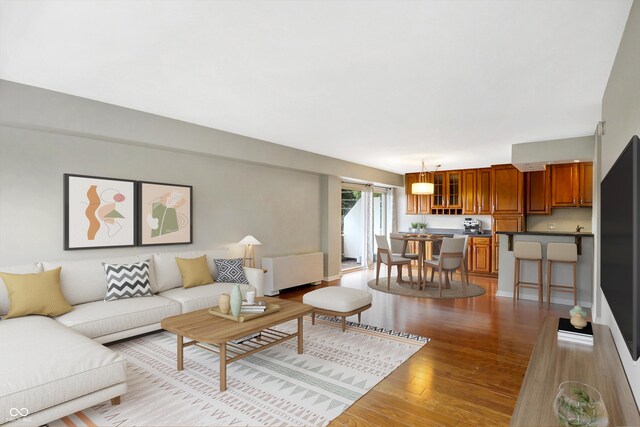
(256, 307)
(568, 332)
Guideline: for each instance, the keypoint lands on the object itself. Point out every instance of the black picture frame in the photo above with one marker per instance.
(167, 208)
(110, 223)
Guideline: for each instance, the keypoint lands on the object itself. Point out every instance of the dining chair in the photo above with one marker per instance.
(450, 259)
(385, 257)
(397, 243)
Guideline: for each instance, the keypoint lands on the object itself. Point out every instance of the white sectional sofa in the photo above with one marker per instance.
(52, 367)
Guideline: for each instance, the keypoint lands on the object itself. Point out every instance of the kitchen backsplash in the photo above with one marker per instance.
(563, 219)
(441, 221)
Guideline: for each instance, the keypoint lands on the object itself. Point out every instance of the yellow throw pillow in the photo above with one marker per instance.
(194, 271)
(35, 294)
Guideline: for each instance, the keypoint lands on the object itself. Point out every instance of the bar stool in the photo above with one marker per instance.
(527, 251)
(566, 253)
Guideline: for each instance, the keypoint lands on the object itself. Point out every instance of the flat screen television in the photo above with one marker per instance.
(620, 240)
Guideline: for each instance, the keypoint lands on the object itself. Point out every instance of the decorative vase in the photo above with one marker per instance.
(578, 310)
(236, 301)
(579, 404)
(224, 303)
(578, 321)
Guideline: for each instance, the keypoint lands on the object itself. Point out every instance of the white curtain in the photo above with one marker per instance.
(392, 224)
(367, 198)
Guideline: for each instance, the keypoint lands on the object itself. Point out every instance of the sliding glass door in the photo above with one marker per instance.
(352, 227)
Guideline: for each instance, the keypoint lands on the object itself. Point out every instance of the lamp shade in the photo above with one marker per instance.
(249, 240)
(420, 188)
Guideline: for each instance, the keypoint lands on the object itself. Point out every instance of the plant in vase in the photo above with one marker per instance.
(579, 404)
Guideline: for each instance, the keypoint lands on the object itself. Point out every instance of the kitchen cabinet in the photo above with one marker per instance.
(538, 192)
(469, 192)
(507, 190)
(416, 204)
(502, 223)
(412, 199)
(571, 185)
(479, 255)
(483, 191)
(447, 192)
(585, 176)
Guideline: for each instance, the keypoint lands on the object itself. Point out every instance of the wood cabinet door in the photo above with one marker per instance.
(507, 188)
(586, 184)
(469, 193)
(537, 191)
(564, 185)
(438, 200)
(502, 223)
(495, 254)
(483, 191)
(453, 184)
(412, 199)
(482, 256)
(424, 201)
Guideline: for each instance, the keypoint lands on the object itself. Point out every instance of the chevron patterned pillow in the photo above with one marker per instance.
(230, 271)
(127, 280)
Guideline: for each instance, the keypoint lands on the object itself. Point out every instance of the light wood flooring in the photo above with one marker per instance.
(471, 371)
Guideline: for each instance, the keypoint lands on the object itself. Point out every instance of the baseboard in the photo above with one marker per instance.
(534, 297)
(331, 278)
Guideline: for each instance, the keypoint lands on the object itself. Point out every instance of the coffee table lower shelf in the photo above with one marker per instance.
(230, 352)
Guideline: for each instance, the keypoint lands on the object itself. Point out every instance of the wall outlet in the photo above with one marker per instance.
(551, 225)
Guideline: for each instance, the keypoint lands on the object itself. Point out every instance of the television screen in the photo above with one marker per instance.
(619, 243)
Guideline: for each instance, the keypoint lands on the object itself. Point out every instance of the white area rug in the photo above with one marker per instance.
(277, 386)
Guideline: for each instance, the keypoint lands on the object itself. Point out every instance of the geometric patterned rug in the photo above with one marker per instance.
(276, 386)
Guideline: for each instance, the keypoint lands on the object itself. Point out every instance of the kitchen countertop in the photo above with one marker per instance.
(546, 233)
(452, 231)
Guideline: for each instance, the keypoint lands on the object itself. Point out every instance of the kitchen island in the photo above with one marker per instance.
(561, 273)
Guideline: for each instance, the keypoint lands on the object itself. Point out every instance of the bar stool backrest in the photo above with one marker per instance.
(565, 252)
(527, 250)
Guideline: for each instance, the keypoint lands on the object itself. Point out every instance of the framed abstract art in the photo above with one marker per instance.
(165, 214)
(99, 212)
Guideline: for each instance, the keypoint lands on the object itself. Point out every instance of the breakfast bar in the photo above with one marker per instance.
(562, 273)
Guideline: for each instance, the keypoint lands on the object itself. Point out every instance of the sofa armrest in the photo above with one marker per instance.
(255, 276)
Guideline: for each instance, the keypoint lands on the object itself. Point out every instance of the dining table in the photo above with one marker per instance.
(422, 240)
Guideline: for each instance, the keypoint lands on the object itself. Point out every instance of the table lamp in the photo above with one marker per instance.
(249, 242)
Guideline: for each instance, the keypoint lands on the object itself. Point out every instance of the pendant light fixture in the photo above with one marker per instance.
(422, 187)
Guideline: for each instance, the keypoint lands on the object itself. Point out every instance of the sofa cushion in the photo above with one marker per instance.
(200, 297)
(194, 271)
(98, 318)
(50, 364)
(85, 281)
(16, 269)
(35, 293)
(336, 298)
(230, 271)
(167, 270)
(127, 280)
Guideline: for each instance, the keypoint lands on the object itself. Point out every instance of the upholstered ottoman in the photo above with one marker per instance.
(339, 302)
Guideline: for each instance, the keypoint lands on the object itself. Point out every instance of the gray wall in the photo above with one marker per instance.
(284, 197)
(621, 111)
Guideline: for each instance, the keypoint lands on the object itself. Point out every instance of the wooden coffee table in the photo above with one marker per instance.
(204, 328)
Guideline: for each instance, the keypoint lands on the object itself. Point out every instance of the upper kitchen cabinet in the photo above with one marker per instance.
(483, 191)
(585, 177)
(476, 191)
(507, 189)
(416, 204)
(538, 192)
(571, 185)
(412, 199)
(447, 192)
(469, 195)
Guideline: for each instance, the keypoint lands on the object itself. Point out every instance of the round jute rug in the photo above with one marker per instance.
(430, 291)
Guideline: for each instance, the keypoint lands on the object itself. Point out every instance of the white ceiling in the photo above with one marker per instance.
(382, 83)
